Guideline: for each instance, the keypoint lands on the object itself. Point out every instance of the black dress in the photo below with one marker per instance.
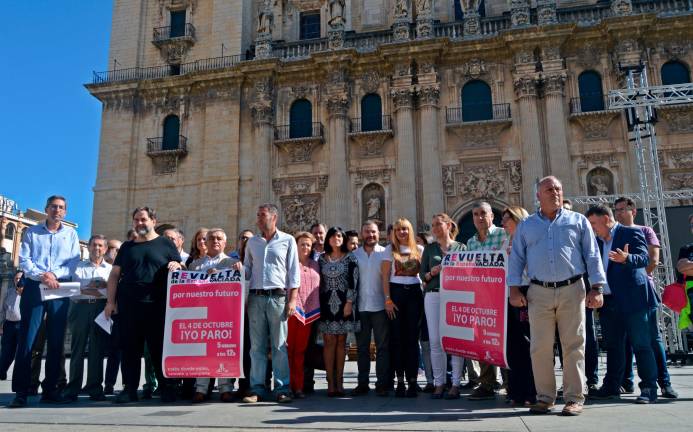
(339, 281)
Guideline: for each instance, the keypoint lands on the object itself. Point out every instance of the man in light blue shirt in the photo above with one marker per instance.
(557, 247)
(48, 253)
(272, 268)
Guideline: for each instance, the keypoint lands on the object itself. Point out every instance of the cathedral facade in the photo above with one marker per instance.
(345, 110)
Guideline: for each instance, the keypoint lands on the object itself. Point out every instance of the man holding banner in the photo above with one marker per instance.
(557, 247)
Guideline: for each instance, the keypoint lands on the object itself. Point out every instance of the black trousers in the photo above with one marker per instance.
(141, 322)
(521, 379)
(405, 329)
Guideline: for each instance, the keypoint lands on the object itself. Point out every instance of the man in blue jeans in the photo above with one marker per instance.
(272, 268)
(626, 309)
(47, 254)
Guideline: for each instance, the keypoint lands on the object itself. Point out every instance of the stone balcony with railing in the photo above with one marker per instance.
(370, 41)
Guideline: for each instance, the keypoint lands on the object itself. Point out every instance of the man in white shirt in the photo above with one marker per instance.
(92, 275)
(271, 266)
(178, 238)
(371, 306)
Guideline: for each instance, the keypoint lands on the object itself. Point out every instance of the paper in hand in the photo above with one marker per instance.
(105, 323)
(66, 289)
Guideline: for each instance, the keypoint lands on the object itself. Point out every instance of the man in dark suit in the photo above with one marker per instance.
(626, 304)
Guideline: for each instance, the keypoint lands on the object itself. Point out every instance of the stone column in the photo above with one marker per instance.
(431, 171)
(532, 154)
(404, 184)
(559, 153)
(338, 190)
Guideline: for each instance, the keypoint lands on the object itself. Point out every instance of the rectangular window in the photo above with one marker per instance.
(310, 25)
(177, 24)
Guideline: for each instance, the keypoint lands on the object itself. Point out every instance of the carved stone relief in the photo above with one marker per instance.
(679, 118)
(299, 185)
(299, 149)
(300, 211)
(482, 182)
(621, 7)
(373, 204)
(515, 173)
(682, 159)
(379, 175)
(474, 68)
(449, 172)
(370, 82)
(519, 13)
(600, 181)
(588, 56)
(480, 135)
(680, 181)
(370, 144)
(546, 12)
(595, 124)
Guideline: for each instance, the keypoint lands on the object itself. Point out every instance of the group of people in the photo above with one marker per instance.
(313, 289)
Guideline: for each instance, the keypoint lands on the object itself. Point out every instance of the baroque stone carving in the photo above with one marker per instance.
(322, 182)
(402, 97)
(474, 68)
(277, 185)
(595, 124)
(482, 182)
(546, 12)
(300, 211)
(515, 174)
(588, 56)
(449, 172)
(555, 83)
(400, 29)
(480, 135)
(401, 9)
(429, 95)
(681, 159)
(265, 19)
(626, 52)
(370, 82)
(472, 24)
(301, 91)
(674, 49)
(299, 149)
(336, 10)
(621, 7)
(681, 181)
(262, 115)
(335, 39)
(381, 175)
(600, 181)
(370, 144)
(519, 13)
(373, 204)
(679, 118)
(165, 164)
(525, 86)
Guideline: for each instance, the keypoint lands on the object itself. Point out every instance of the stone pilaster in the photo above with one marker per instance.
(404, 184)
(263, 118)
(431, 175)
(559, 153)
(338, 187)
(532, 152)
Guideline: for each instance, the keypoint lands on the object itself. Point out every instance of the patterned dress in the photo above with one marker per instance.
(339, 281)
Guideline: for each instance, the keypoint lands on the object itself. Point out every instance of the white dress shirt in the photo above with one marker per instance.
(85, 272)
(371, 296)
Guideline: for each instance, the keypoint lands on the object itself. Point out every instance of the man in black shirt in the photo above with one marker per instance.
(137, 293)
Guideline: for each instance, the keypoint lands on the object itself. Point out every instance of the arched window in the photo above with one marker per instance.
(476, 101)
(675, 72)
(9, 231)
(171, 133)
(371, 113)
(300, 119)
(591, 94)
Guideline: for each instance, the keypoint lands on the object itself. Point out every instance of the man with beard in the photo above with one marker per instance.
(137, 291)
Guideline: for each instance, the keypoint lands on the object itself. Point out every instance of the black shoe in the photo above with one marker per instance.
(604, 394)
(381, 391)
(97, 397)
(627, 389)
(147, 393)
(18, 402)
(413, 390)
(57, 398)
(360, 390)
(482, 393)
(429, 388)
(471, 385)
(401, 390)
(647, 396)
(108, 389)
(125, 397)
(668, 392)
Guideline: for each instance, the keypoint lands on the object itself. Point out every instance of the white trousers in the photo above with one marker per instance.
(438, 356)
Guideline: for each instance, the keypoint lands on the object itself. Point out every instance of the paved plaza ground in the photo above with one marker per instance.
(363, 413)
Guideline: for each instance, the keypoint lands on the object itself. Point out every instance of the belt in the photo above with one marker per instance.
(563, 283)
(88, 301)
(276, 292)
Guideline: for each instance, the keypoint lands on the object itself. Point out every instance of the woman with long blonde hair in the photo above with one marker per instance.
(403, 303)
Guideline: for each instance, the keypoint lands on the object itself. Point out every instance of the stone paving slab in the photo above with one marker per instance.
(367, 413)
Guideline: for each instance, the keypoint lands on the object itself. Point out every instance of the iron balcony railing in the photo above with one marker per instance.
(298, 131)
(370, 124)
(159, 146)
(162, 34)
(137, 73)
(585, 104)
(478, 112)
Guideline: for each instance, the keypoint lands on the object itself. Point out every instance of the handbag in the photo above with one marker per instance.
(674, 297)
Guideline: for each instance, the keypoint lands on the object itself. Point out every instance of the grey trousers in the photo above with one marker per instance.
(378, 323)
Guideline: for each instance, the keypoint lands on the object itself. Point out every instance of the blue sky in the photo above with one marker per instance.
(49, 123)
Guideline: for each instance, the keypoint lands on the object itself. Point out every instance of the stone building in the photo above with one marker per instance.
(341, 110)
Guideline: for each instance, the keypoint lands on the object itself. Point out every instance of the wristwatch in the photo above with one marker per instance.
(598, 288)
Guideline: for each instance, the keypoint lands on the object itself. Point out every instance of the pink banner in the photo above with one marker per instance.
(204, 325)
(473, 306)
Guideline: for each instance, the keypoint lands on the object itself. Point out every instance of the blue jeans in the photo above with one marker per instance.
(591, 349)
(267, 323)
(659, 350)
(32, 310)
(615, 326)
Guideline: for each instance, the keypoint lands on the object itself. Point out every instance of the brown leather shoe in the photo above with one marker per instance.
(572, 409)
(541, 408)
(226, 397)
(199, 397)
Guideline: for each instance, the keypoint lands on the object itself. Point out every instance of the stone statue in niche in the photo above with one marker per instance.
(600, 181)
(264, 19)
(401, 9)
(423, 7)
(373, 200)
(336, 8)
